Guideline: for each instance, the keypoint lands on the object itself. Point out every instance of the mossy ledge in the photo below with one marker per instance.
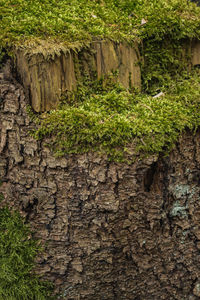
(109, 119)
(106, 118)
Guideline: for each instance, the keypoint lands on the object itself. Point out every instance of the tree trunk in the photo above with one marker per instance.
(111, 230)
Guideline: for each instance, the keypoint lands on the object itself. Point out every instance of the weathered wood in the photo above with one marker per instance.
(195, 52)
(45, 80)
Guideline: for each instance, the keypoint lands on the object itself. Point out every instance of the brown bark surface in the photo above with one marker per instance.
(112, 231)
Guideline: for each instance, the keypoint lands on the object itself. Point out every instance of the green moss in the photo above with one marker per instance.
(84, 20)
(63, 20)
(108, 119)
(113, 120)
(17, 254)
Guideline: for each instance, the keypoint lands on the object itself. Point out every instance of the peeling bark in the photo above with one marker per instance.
(112, 231)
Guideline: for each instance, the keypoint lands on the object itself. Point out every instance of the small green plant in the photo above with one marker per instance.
(17, 253)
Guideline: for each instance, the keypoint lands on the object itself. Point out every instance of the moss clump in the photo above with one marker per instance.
(170, 28)
(108, 119)
(17, 253)
(75, 20)
(64, 20)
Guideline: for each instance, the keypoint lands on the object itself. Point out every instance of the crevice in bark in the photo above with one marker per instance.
(149, 177)
(31, 206)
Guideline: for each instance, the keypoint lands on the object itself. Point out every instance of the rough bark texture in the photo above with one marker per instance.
(113, 231)
(44, 80)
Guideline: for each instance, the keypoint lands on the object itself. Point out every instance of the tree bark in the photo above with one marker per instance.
(111, 231)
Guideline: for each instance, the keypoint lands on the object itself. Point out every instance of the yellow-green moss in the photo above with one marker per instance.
(83, 20)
